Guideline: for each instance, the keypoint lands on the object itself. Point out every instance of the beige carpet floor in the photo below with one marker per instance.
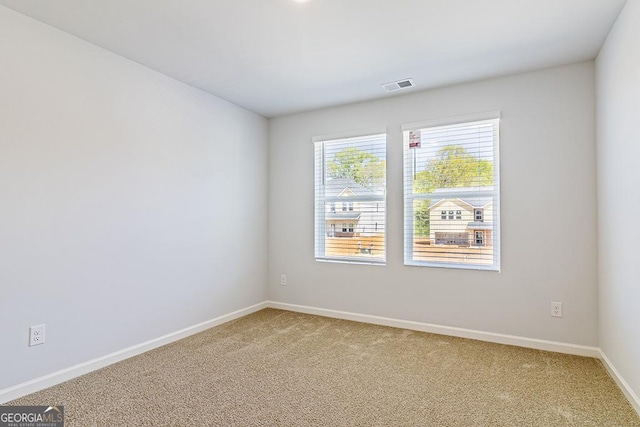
(278, 368)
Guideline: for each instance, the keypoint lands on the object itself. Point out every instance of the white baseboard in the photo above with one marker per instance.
(558, 347)
(63, 375)
(631, 396)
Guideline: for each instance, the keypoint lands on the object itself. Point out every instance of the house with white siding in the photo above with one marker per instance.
(461, 221)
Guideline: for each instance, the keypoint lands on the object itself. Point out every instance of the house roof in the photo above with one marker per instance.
(473, 201)
(351, 215)
(337, 187)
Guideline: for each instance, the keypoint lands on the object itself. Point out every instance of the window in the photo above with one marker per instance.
(443, 215)
(351, 172)
(451, 193)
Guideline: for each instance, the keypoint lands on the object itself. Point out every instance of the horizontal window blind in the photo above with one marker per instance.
(452, 197)
(350, 199)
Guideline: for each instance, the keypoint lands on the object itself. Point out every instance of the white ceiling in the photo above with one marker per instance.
(280, 56)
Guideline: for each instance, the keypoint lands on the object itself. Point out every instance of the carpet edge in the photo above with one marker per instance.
(535, 343)
(46, 381)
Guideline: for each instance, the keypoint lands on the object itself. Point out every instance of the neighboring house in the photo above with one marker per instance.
(351, 214)
(462, 221)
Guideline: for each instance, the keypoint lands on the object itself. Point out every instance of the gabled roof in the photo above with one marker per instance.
(348, 215)
(341, 187)
(347, 192)
(474, 202)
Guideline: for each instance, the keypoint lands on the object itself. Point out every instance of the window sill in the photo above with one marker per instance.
(359, 261)
(453, 266)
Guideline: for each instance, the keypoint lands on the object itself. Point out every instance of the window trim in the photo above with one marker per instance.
(319, 210)
(409, 216)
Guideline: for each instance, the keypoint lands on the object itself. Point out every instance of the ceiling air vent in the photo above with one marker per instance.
(400, 84)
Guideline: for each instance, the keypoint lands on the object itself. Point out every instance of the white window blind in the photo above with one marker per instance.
(350, 199)
(451, 194)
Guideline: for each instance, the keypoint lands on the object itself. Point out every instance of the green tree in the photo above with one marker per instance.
(362, 167)
(452, 167)
(422, 225)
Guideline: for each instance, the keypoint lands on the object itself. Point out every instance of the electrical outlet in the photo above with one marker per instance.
(556, 309)
(283, 280)
(36, 335)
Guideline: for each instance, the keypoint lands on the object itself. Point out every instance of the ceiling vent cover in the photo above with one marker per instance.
(400, 84)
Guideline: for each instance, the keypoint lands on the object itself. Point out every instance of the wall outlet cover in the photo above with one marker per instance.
(36, 335)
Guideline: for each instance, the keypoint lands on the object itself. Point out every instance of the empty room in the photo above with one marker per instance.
(319, 213)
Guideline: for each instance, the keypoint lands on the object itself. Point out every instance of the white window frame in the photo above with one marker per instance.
(480, 217)
(410, 197)
(320, 210)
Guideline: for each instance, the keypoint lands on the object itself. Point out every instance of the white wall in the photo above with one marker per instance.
(618, 148)
(115, 183)
(548, 212)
